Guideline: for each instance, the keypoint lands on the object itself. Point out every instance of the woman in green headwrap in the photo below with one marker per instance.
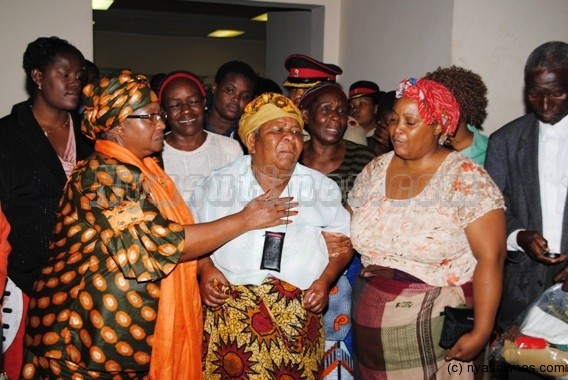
(263, 318)
(118, 297)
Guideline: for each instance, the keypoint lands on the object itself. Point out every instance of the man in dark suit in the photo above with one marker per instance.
(527, 159)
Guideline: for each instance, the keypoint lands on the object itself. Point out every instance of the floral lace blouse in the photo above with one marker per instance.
(424, 235)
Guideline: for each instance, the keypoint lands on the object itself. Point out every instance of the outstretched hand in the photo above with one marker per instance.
(264, 211)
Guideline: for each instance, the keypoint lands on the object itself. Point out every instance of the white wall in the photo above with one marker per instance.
(386, 41)
(23, 21)
(331, 23)
(381, 40)
(155, 54)
(286, 33)
(495, 38)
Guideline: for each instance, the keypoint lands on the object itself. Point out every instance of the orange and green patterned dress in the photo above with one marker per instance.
(96, 301)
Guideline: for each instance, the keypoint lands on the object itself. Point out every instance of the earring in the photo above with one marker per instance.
(39, 86)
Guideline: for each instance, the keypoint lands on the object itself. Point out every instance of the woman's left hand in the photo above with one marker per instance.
(467, 347)
(316, 296)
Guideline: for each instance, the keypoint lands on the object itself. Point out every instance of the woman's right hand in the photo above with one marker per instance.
(213, 285)
(382, 139)
(264, 211)
(467, 347)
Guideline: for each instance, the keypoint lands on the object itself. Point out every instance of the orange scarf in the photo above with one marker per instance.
(176, 352)
(5, 250)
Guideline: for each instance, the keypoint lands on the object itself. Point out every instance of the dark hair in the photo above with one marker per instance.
(386, 102)
(236, 67)
(41, 53)
(550, 55)
(266, 85)
(91, 73)
(156, 81)
(468, 89)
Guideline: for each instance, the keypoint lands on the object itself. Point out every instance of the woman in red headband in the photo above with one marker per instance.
(190, 152)
(430, 227)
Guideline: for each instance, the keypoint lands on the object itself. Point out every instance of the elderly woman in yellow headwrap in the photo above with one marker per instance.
(118, 297)
(265, 290)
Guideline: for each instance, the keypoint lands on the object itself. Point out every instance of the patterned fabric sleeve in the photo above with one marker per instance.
(145, 245)
(473, 192)
(366, 181)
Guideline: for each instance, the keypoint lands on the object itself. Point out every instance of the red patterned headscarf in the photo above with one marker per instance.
(436, 104)
(109, 102)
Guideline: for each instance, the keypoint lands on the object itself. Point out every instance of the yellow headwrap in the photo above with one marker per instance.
(266, 107)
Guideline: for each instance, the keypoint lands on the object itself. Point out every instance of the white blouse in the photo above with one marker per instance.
(305, 255)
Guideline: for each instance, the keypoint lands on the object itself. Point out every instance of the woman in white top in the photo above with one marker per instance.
(264, 307)
(190, 152)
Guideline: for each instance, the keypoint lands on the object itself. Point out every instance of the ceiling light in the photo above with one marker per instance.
(101, 5)
(225, 33)
(262, 17)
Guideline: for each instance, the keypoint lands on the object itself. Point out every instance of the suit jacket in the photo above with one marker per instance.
(512, 162)
(31, 183)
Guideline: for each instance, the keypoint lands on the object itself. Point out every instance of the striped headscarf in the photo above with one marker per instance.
(436, 104)
(112, 99)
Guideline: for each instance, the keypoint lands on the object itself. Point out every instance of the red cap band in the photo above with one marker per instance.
(361, 91)
(309, 73)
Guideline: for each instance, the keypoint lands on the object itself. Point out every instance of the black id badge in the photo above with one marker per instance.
(272, 251)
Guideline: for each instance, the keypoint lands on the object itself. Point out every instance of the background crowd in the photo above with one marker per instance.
(153, 228)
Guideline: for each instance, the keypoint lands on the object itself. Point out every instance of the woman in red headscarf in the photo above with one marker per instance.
(430, 226)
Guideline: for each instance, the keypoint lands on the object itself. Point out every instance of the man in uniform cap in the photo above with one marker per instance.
(364, 88)
(305, 72)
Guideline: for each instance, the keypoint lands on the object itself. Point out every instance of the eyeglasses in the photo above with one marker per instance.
(153, 117)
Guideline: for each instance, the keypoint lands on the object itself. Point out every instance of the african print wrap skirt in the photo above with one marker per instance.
(397, 326)
(43, 368)
(263, 332)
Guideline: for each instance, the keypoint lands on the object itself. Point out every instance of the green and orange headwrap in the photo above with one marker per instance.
(267, 107)
(111, 100)
(436, 104)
